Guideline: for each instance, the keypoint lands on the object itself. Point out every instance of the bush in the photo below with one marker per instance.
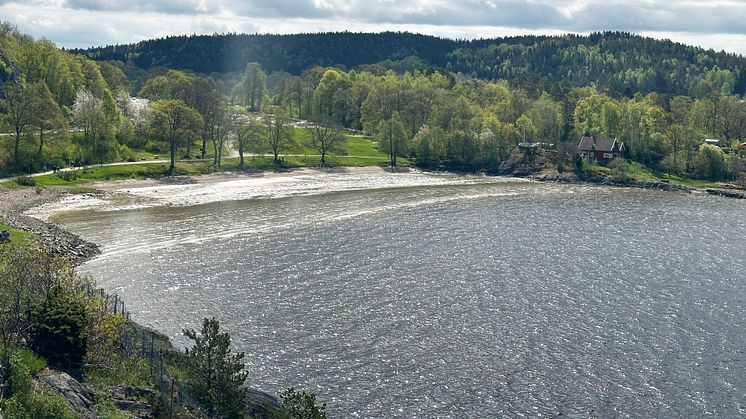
(37, 405)
(301, 405)
(58, 329)
(710, 162)
(125, 154)
(26, 181)
(68, 175)
(620, 170)
(26, 402)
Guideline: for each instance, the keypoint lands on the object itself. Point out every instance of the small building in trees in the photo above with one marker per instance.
(602, 150)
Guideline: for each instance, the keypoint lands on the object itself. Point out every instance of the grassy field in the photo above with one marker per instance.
(357, 151)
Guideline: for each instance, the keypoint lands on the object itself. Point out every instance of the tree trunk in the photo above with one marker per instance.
(240, 154)
(172, 148)
(41, 141)
(16, 153)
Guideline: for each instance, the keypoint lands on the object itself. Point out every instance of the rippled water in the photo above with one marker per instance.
(467, 297)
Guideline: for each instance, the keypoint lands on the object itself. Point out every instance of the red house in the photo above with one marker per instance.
(601, 149)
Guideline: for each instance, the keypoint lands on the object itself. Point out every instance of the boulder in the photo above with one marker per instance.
(80, 397)
(260, 404)
(137, 401)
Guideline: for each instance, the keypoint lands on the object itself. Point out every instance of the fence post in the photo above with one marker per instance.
(106, 302)
(152, 341)
(171, 408)
(116, 303)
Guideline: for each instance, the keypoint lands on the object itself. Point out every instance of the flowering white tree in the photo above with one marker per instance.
(88, 115)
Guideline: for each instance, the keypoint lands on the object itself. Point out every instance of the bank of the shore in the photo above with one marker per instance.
(13, 204)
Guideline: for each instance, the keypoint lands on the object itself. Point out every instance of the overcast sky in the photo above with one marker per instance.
(717, 24)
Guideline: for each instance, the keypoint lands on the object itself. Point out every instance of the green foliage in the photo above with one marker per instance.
(68, 175)
(37, 405)
(26, 181)
(710, 162)
(620, 170)
(392, 138)
(301, 405)
(217, 375)
(25, 402)
(176, 124)
(620, 61)
(59, 329)
(30, 361)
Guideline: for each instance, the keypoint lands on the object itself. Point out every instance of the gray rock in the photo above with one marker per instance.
(260, 404)
(137, 401)
(77, 395)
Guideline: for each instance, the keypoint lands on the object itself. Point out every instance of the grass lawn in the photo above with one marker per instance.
(358, 151)
(18, 237)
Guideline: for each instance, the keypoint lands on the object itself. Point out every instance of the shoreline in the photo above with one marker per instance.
(15, 202)
(60, 242)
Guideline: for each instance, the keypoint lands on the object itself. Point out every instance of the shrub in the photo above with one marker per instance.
(58, 329)
(37, 405)
(125, 153)
(26, 181)
(620, 170)
(301, 405)
(26, 402)
(68, 175)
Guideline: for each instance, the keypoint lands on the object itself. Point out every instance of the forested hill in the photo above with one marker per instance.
(614, 61)
(291, 53)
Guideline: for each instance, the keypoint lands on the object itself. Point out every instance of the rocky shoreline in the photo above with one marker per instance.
(573, 179)
(13, 203)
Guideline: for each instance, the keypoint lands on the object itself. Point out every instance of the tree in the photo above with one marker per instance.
(218, 375)
(17, 105)
(246, 131)
(252, 87)
(27, 278)
(710, 162)
(209, 104)
(392, 138)
(58, 330)
(219, 137)
(172, 85)
(326, 139)
(175, 123)
(88, 115)
(48, 115)
(620, 169)
(301, 405)
(277, 133)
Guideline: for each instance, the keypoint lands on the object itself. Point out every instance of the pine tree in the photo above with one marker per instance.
(217, 374)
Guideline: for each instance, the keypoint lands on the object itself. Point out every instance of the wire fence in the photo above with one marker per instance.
(138, 341)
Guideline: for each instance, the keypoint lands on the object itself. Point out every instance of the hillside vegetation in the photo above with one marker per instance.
(438, 103)
(618, 61)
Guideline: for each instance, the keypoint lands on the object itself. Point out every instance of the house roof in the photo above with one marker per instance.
(600, 144)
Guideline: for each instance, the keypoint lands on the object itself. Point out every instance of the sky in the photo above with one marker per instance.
(716, 24)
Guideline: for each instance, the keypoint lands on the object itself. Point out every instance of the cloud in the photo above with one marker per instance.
(714, 24)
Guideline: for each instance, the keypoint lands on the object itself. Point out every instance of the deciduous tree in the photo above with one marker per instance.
(175, 123)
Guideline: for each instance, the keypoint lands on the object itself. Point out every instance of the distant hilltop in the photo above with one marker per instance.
(614, 61)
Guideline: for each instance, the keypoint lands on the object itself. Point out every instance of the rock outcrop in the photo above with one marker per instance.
(726, 193)
(80, 397)
(137, 401)
(261, 405)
